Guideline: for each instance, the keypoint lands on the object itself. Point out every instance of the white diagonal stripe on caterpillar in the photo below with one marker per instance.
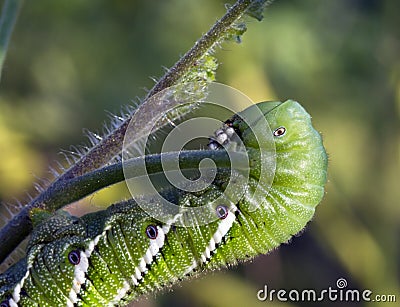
(17, 290)
(223, 228)
(79, 278)
(147, 259)
(82, 268)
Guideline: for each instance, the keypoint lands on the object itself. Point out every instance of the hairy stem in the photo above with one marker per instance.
(111, 145)
(200, 47)
(20, 226)
(8, 17)
(63, 193)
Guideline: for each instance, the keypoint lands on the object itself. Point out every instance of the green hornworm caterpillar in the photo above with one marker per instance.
(114, 256)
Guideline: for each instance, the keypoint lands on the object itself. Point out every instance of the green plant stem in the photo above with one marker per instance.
(60, 193)
(20, 225)
(111, 145)
(8, 17)
(77, 188)
(200, 47)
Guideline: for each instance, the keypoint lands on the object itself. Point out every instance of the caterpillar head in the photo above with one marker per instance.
(287, 121)
(294, 155)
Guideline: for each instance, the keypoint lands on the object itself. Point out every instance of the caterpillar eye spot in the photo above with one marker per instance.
(74, 257)
(222, 212)
(4, 304)
(151, 232)
(279, 131)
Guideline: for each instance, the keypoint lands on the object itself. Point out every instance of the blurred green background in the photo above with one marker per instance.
(69, 61)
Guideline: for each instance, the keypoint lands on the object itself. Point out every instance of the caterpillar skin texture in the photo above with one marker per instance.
(112, 257)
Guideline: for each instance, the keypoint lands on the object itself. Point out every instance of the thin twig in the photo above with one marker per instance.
(80, 187)
(200, 47)
(111, 145)
(20, 226)
(63, 193)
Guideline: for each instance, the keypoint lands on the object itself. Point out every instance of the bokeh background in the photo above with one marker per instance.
(70, 61)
